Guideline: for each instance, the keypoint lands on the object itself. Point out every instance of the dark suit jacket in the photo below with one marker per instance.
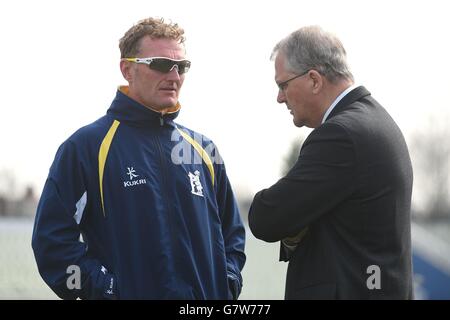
(351, 186)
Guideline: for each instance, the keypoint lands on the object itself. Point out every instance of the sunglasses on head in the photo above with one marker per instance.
(162, 64)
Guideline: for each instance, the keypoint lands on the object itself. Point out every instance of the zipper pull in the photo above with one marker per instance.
(161, 120)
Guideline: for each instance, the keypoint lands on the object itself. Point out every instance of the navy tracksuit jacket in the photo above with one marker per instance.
(153, 204)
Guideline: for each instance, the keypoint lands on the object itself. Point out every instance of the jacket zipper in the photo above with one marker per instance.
(165, 190)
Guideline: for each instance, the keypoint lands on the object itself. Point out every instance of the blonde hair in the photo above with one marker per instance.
(157, 28)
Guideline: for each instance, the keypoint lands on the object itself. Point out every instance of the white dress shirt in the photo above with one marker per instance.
(335, 102)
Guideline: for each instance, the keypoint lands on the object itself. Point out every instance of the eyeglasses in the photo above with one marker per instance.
(283, 85)
(162, 64)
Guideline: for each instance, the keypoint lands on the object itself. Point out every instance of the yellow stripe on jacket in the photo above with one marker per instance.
(103, 154)
(201, 151)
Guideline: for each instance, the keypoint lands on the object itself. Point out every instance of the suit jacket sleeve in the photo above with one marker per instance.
(322, 177)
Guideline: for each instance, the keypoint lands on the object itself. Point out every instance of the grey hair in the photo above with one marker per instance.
(313, 48)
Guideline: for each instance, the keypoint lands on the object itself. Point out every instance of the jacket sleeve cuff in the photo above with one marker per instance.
(234, 286)
(102, 286)
(110, 287)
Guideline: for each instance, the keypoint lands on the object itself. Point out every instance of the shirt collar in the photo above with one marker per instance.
(336, 101)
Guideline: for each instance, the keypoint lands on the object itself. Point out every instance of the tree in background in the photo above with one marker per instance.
(430, 153)
(16, 199)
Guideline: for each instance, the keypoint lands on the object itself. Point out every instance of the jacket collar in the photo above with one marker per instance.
(125, 109)
(352, 96)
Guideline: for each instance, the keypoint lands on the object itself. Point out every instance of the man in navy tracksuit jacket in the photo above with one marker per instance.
(150, 198)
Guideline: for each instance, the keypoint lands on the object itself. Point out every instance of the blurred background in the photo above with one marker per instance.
(61, 69)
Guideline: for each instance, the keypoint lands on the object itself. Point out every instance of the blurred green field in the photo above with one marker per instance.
(19, 277)
(263, 275)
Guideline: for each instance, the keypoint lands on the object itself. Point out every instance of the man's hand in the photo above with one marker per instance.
(295, 240)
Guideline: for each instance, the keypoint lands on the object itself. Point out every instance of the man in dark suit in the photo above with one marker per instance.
(342, 213)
